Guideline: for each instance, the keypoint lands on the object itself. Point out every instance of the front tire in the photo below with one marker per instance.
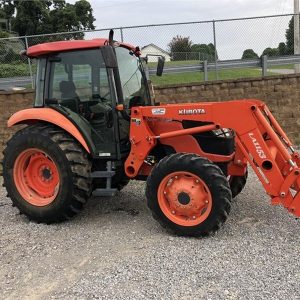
(188, 194)
(237, 184)
(46, 173)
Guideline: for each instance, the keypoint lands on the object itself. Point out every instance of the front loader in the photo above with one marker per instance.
(94, 127)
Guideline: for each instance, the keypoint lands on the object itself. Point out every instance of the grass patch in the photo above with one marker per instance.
(198, 76)
(282, 67)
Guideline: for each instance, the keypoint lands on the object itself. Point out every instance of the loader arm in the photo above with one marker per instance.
(260, 141)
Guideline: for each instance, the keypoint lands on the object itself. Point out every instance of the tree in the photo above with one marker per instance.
(35, 14)
(48, 16)
(212, 49)
(68, 17)
(180, 47)
(249, 54)
(7, 9)
(271, 52)
(289, 35)
(203, 52)
(282, 49)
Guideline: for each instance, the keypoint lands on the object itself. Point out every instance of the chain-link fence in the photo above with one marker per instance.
(180, 43)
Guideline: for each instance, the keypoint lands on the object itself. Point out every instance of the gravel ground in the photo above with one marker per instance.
(115, 250)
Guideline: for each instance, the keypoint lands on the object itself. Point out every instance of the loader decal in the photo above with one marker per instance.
(158, 111)
(195, 111)
(257, 146)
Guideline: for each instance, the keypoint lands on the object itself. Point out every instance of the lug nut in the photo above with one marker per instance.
(206, 201)
(197, 181)
(282, 194)
(173, 212)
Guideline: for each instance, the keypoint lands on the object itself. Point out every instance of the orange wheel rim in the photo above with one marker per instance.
(36, 177)
(184, 198)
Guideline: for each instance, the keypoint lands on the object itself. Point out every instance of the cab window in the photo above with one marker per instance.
(132, 80)
(78, 77)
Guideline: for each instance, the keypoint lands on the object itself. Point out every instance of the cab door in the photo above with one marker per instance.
(81, 86)
(134, 89)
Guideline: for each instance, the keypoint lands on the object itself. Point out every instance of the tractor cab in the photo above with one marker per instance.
(86, 81)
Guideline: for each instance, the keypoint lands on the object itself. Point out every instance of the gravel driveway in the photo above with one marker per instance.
(115, 250)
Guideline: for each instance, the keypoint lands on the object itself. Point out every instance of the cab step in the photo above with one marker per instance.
(104, 192)
(108, 191)
(102, 174)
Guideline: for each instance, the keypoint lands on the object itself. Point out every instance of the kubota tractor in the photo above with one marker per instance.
(94, 127)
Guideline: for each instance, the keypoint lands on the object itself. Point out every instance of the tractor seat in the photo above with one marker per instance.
(69, 97)
(68, 90)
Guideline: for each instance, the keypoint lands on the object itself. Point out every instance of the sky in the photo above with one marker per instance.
(231, 37)
(138, 12)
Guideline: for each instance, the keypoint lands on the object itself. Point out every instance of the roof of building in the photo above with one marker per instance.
(158, 48)
(52, 47)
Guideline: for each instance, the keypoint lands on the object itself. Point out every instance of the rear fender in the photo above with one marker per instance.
(32, 115)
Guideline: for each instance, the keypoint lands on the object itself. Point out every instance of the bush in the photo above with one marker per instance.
(12, 70)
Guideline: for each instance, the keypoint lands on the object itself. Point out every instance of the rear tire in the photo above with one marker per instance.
(39, 152)
(188, 194)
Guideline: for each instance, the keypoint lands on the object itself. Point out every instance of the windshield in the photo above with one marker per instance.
(134, 86)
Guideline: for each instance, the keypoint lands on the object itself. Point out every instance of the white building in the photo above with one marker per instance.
(155, 50)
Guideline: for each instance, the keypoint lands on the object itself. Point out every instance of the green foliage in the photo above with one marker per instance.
(10, 49)
(289, 35)
(35, 14)
(271, 52)
(68, 17)
(204, 51)
(7, 8)
(249, 54)
(279, 51)
(282, 49)
(8, 55)
(47, 16)
(3, 34)
(179, 45)
(11, 70)
(182, 48)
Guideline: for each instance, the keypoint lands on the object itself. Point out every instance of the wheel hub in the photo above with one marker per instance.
(184, 198)
(46, 173)
(36, 177)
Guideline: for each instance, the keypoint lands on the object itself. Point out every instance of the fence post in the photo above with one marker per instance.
(216, 54)
(29, 64)
(205, 73)
(264, 65)
(122, 37)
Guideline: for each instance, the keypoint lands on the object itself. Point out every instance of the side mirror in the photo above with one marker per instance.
(160, 65)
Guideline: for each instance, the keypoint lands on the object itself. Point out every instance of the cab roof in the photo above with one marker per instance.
(53, 47)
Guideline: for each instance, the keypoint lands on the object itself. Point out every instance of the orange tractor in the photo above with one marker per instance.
(94, 127)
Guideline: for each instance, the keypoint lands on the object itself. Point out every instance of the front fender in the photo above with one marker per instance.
(49, 115)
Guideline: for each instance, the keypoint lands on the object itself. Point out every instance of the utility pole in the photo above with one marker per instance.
(296, 33)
